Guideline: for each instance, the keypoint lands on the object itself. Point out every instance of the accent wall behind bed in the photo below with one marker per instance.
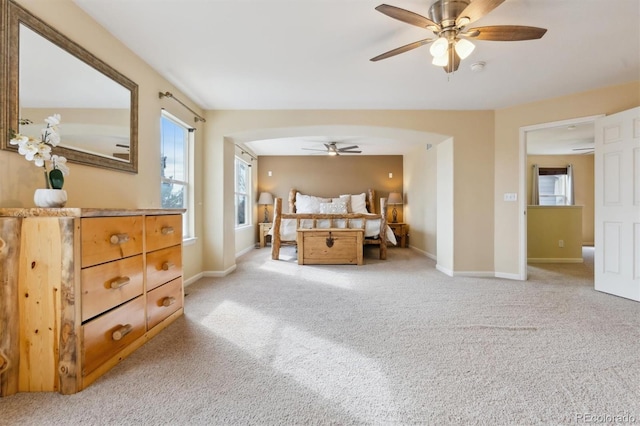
(327, 176)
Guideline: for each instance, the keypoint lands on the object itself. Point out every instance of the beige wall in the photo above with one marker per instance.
(547, 227)
(507, 158)
(473, 173)
(327, 176)
(420, 209)
(582, 181)
(94, 187)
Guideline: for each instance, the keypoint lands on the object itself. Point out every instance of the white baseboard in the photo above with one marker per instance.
(508, 276)
(245, 251)
(424, 253)
(219, 274)
(444, 270)
(555, 260)
(193, 279)
(475, 274)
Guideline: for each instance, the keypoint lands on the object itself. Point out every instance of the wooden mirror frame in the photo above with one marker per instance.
(11, 16)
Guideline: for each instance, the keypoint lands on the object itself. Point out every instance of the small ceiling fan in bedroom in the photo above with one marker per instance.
(332, 149)
(448, 20)
(585, 150)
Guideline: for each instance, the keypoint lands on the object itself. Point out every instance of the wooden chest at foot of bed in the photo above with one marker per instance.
(330, 246)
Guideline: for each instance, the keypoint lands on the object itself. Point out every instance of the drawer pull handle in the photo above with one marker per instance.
(168, 301)
(167, 265)
(119, 238)
(166, 230)
(119, 282)
(121, 332)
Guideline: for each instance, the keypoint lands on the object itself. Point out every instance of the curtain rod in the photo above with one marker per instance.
(244, 151)
(170, 95)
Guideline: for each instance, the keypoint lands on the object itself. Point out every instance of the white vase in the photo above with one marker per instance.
(50, 197)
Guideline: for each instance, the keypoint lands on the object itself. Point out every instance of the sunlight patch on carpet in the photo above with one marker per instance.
(335, 372)
(317, 274)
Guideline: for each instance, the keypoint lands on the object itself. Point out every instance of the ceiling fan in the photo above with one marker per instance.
(448, 20)
(332, 149)
(586, 150)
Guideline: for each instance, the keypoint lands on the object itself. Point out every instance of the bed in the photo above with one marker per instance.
(350, 211)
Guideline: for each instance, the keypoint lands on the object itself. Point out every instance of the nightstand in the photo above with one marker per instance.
(265, 227)
(400, 230)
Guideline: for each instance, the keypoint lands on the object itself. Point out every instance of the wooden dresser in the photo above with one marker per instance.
(81, 289)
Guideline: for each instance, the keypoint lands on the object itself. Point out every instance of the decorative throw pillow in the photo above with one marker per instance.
(347, 200)
(309, 203)
(359, 203)
(333, 208)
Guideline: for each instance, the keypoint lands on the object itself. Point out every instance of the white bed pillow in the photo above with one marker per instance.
(333, 208)
(359, 203)
(309, 203)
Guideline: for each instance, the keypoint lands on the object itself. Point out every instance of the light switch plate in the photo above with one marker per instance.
(510, 196)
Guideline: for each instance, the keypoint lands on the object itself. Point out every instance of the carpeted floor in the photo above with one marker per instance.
(391, 342)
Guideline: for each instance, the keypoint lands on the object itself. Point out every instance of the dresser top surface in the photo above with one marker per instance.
(83, 212)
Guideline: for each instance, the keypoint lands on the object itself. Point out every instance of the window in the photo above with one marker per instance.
(243, 181)
(553, 186)
(176, 138)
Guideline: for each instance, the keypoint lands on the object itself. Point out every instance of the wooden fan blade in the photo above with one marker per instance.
(406, 16)
(351, 152)
(348, 147)
(506, 33)
(477, 9)
(313, 149)
(454, 62)
(402, 49)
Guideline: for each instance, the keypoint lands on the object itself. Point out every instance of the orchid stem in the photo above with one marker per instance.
(46, 177)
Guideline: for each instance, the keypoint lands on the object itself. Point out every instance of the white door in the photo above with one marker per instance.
(617, 204)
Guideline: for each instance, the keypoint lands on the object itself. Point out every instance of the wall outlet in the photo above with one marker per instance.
(560, 243)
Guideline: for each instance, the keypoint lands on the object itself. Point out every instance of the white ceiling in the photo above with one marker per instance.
(314, 54)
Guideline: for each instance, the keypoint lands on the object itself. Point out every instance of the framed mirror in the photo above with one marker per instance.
(50, 74)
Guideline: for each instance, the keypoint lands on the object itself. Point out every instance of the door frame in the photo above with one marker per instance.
(522, 182)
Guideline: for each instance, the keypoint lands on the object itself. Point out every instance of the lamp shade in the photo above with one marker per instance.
(464, 48)
(265, 198)
(439, 47)
(395, 198)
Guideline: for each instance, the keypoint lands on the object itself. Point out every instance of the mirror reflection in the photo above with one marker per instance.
(94, 109)
(50, 74)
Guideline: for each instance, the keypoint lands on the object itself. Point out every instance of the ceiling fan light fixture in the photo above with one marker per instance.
(464, 48)
(442, 60)
(462, 21)
(439, 47)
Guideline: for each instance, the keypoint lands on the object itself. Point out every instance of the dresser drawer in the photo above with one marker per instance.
(110, 238)
(163, 301)
(105, 335)
(163, 231)
(163, 266)
(111, 284)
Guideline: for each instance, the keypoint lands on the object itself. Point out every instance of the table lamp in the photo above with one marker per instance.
(395, 198)
(265, 199)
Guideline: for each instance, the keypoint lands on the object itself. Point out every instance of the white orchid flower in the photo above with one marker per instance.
(50, 136)
(60, 163)
(53, 120)
(19, 139)
(40, 151)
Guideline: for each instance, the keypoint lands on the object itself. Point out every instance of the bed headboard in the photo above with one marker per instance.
(371, 200)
